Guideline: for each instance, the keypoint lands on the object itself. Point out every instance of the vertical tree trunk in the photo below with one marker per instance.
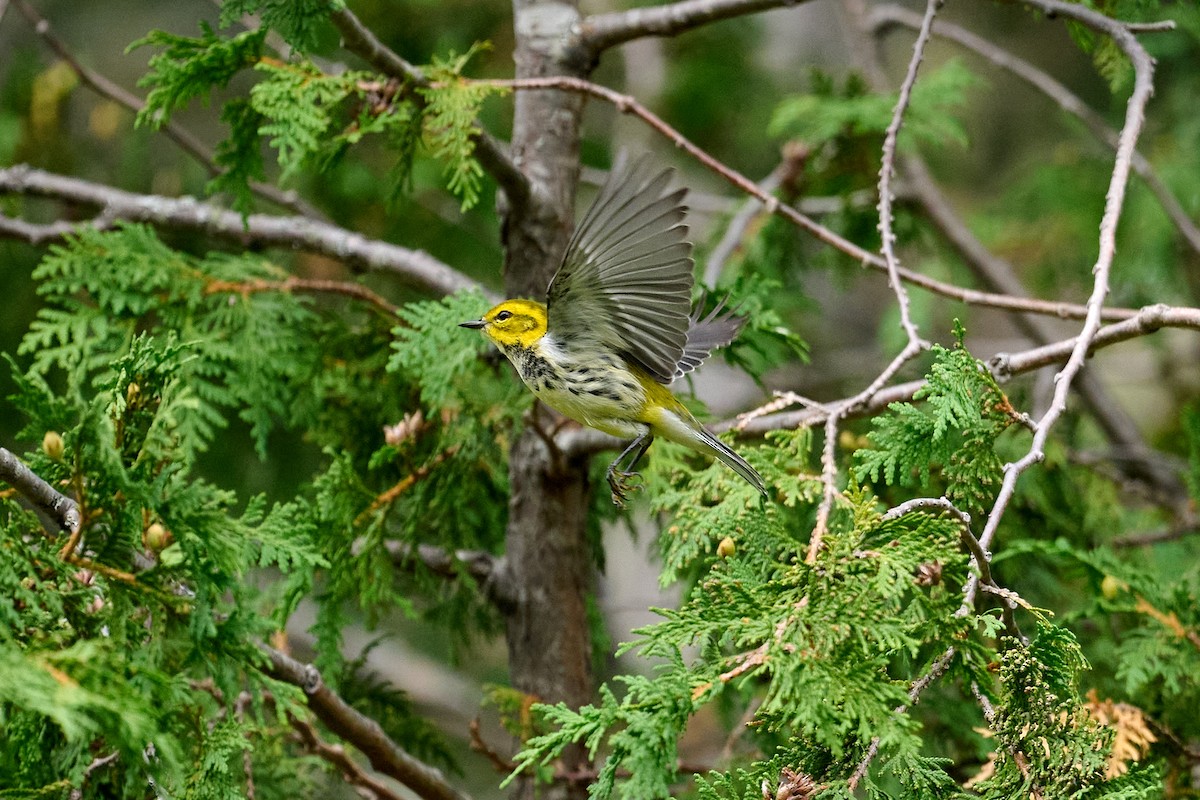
(547, 555)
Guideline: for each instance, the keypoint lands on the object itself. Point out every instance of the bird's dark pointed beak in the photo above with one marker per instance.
(472, 323)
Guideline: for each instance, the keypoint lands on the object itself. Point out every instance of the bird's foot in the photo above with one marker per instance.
(619, 483)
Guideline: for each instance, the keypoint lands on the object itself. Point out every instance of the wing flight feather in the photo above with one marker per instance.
(626, 279)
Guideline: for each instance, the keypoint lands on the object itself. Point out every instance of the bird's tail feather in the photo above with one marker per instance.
(733, 461)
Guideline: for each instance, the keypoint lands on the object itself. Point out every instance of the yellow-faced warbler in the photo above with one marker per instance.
(616, 327)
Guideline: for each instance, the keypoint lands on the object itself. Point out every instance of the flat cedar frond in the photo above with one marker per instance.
(450, 124)
(298, 103)
(240, 155)
(302, 23)
(816, 644)
(100, 288)
(826, 114)
(948, 441)
(187, 68)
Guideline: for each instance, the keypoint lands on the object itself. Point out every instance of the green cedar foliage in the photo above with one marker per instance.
(139, 358)
(147, 367)
(820, 117)
(824, 653)
(149, 360)
(307, 117)
(945, 446)
(303, 24)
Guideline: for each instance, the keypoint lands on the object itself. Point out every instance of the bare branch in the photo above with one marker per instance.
(914, 344)
(40, 233)
(1156, 537)
(337, 756)
(480, 565)
(43, 496)
(924, 503)
(884, 16)
(186, 213)
(997, 274)
(887, 170)
(104, 87)
(1148, 320)
(99, 761)
(1003, 366)
(360, 730)
(362, 41)
(1143, 67)
(630, 105)
(602, 31)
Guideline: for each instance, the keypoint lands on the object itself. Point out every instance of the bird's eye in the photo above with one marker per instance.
(503, 315)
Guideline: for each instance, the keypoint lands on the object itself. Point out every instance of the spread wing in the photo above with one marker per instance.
(705, 335)
(626, 278)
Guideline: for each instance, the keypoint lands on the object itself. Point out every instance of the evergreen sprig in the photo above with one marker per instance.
(946, 444)
(828, 112)
(191, 67)
(817, 644)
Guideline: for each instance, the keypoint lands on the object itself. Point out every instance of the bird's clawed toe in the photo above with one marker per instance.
(619, 483)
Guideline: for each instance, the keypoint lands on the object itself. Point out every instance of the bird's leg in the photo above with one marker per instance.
(618, 479)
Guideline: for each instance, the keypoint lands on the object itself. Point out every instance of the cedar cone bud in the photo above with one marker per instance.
(727, 547)
(52, 445)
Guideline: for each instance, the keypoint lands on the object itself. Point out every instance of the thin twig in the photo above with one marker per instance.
(980, 558)
(835, 412)
(914, 344)
(602, 31)
(336, 755)
(887, 171)
(1156, 537)
(786, 172)
(1148, 320)
(500, 764)
(100, 761)
(915, 690)
(479, 564)
(362, 41)
(886, 15)
(42, 495)
(360, 730)
(187, 213)
(1019, 758)
(630, 105)
(404, 484)
(187, 142)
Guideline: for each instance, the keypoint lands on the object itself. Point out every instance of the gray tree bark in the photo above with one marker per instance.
(547, 556)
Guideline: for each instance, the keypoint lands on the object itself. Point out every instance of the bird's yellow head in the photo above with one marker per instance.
(513, 323)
